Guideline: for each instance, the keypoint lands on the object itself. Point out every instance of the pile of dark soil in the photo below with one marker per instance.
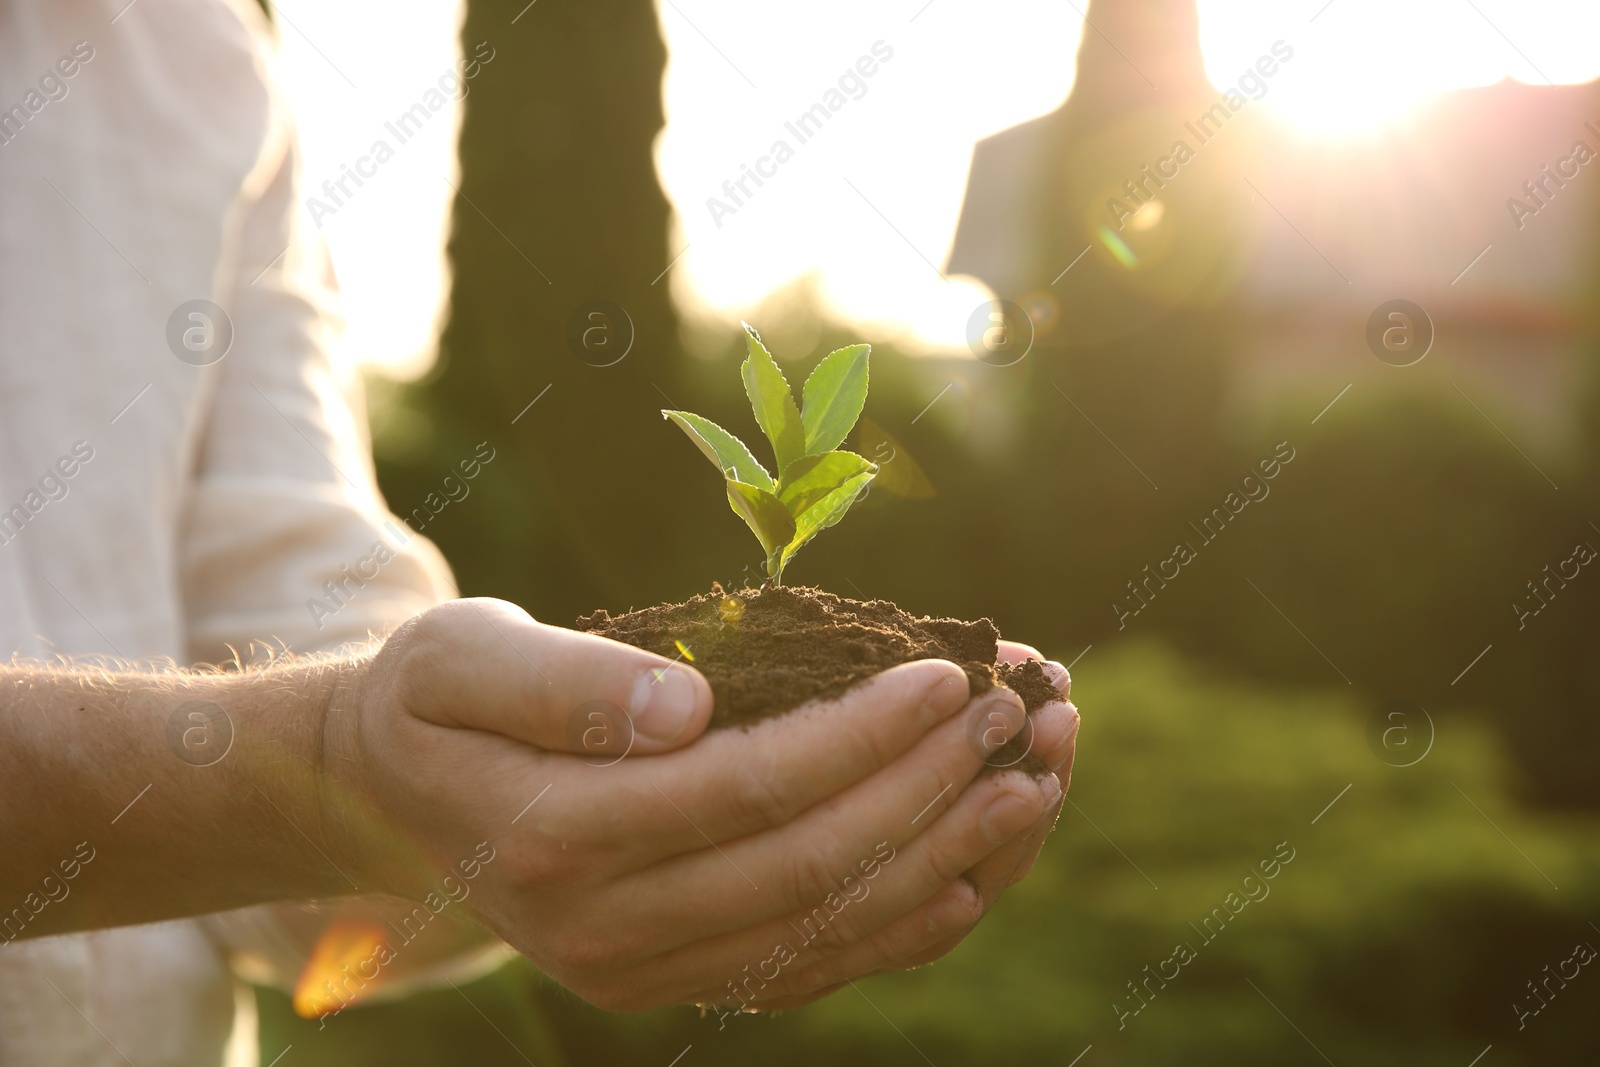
(768, 650)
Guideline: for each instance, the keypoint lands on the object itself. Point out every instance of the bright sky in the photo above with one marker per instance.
(1362, 63)
(346, 73)
(867, 207)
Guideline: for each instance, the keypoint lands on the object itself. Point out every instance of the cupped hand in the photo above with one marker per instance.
(1054, 741)
(754, 867)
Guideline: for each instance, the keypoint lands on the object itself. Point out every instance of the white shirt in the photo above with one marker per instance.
(205, 505)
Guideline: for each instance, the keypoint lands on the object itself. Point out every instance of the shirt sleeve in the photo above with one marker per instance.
(286, 538)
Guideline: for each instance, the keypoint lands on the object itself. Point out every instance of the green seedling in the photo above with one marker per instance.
(816, 483)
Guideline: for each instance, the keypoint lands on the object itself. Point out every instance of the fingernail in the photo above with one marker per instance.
(1008, 815)
(961, 907)
(996, 717)
(1054, 725)
(1057, 675)
(1069, 744)
(664, 702)
(943, 699)
(1049, 788)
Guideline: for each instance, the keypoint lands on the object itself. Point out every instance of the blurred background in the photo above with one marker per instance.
(1286, 440)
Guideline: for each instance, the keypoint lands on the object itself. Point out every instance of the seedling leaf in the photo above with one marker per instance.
(834, 395)
(814, 477)
(769, 395)
(766, 516)
(723, 449)
(817, 483)
(821, 515)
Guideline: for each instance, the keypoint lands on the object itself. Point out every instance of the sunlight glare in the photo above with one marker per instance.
(869, 201)
(866, 206)
(346, 74)
(869, 206)
(1363, 64)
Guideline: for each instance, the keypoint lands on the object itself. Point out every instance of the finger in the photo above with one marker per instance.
(487, 665)
(776, 1004)
(957, 908)
(825, 850)
(1056, 735)
(988, 813)
(1055, 727)
(1059, 677)
(733, 783)
(938, 951)
(1017, 652)
(790, 1003)
(897, 946)
(1011, 862)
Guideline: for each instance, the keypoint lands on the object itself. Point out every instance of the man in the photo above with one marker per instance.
(174, 488)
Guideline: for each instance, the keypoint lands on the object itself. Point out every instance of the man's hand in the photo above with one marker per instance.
(458, 766)
(1055, 742)
(734, 870)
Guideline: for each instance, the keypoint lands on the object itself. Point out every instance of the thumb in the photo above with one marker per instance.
(486, 664)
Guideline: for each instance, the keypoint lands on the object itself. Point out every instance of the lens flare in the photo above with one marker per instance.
(332, 978)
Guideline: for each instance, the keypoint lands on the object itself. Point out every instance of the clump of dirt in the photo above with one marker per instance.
(766, 651)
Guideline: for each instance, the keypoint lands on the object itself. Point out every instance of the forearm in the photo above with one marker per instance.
(132, 797)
